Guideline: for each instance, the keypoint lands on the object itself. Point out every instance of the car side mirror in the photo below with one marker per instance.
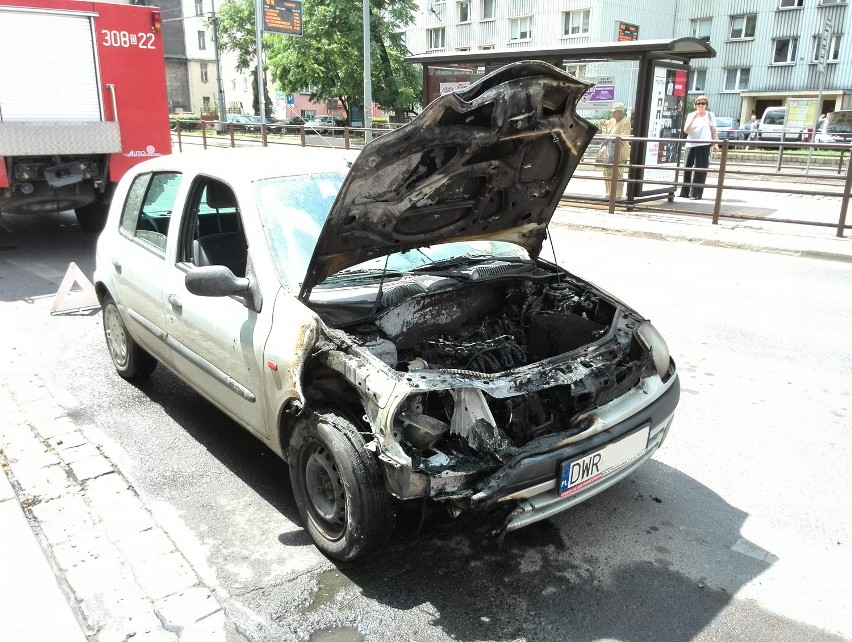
(214, 280)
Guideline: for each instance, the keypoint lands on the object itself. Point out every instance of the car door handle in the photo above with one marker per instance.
(116, 264)
(175, 301)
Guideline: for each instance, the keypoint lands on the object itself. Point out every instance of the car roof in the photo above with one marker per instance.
(250, 164)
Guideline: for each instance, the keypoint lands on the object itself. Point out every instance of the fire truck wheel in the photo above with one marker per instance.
(92, 217)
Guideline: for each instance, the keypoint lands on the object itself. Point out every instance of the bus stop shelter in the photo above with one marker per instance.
(659, 76)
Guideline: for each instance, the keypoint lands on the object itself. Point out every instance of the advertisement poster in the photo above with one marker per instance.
(450, 87)
(600, 96)
(801, 112)
(665, 119)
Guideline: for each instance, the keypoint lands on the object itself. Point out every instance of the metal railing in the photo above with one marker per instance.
(732, 172)
(213, 133)
(745, 166)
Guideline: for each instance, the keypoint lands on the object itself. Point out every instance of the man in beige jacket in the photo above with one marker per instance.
(618, 125)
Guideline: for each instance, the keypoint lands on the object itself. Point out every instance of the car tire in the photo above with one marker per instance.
(339, 487)
(93, 217)
(128, 357)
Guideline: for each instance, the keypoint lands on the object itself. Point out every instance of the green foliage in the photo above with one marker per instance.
(328, 58)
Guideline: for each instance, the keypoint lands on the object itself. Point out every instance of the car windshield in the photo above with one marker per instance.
(773, 118)
(724, 122)
(293, 210)
(840, 122)
(432, 258)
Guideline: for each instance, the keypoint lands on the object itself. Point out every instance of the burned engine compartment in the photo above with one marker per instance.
(489, 327)
(499, 329)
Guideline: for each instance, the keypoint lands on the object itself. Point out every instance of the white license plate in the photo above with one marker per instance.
(581, 473)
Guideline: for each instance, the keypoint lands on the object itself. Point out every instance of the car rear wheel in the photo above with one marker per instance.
(339, 488)
(129, 358)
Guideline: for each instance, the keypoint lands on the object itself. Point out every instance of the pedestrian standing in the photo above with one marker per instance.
(618, 125)
(700, 130)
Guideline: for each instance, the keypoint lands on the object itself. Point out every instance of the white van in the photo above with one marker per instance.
(772, 126)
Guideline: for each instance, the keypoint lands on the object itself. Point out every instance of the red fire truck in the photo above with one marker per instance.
(82, 99)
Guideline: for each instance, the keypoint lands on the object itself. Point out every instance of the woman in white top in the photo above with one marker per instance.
(700, 130)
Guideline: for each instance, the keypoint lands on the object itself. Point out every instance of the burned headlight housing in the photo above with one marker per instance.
(653, 341)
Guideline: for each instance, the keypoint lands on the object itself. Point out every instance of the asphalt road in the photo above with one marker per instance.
(739, 527)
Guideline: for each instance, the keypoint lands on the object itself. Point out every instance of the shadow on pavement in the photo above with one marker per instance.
(578, 576)
(35, 251)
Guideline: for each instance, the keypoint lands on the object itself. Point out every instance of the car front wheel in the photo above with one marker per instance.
(339, 487)
(129, 358)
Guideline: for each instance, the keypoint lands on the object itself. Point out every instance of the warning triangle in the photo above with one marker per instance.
(75, 299)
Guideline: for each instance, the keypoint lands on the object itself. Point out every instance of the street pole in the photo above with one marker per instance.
(822, 59)
(220, 89)
(258, 25)
(368, 81)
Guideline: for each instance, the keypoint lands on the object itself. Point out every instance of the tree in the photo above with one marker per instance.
(237, 34)
(328, 58)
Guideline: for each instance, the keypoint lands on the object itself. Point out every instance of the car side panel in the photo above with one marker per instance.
(219, 349)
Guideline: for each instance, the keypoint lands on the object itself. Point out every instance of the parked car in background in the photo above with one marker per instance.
(324, 124)
(293, 124)
(273, 126)
(389, 326)
(837, 127)
(729, 128)
(772, 127)
(241, 122)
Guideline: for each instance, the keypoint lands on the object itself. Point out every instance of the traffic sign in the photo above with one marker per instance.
(824, 43)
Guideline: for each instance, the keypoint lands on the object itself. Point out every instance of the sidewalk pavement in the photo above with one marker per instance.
(82, 558)
(33, 606)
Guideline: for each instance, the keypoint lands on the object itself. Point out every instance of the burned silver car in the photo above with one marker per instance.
(390, 328)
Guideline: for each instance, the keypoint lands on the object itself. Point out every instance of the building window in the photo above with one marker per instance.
(578, 70)
(488, 7)
(833, 48)
(697, 81)
(737, 79)
(199, 7)
(436, 38)
(520, 28)
(307, 90)
(233, 84)
(823, 2)
(202, 40)
(205, 104)
(791, 4)
(245, 84)
(463, 11)
(484, 47)
(784, 50)
(701, 28)
(575, 23)
(743, 26)
(204, 77)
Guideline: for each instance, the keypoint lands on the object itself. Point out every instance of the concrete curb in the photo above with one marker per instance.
(123, 575)
(739, 245)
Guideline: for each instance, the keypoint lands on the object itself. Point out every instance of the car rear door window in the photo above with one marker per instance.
(148, 209)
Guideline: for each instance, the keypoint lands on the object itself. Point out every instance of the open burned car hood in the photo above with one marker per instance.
(487, 163)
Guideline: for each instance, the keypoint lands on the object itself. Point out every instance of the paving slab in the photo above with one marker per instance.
(34, 592)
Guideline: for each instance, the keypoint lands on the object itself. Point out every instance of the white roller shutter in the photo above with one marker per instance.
(49, 69)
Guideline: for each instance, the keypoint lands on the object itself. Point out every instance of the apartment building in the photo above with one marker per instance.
(767, 50)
